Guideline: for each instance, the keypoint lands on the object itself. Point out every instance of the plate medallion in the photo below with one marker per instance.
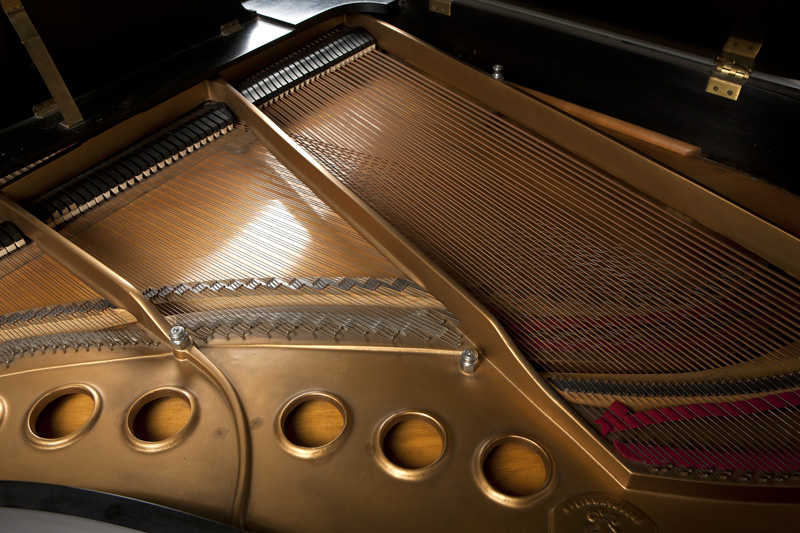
(598, 513)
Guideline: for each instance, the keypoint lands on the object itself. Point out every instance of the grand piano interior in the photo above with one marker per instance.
(441, 265)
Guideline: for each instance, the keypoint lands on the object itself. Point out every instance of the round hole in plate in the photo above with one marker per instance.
(411, 443)
(313, 423)
(160, 418)
(513, 469)
(63, 415)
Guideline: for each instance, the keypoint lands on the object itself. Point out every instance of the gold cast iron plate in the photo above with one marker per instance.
(599, 513)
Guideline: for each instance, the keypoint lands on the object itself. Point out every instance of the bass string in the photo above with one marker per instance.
(362, 145)
(465, 210)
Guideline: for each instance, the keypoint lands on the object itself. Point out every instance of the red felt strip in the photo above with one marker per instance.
(619, 418)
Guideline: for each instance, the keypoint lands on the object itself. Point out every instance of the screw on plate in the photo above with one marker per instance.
(497, 72)
(179, 337)
(469, 361)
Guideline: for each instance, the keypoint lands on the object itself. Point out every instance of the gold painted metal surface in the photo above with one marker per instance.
(599, 512)
(251, 385)
(196, 471)
(62, 416)
(768, 201)
(162, 415)
(244, 201)
(635, 479)
(587, 275)
(103, 458)
(513, 467)
(124, 295)
(484, 329)
(392, 453)
(212, 371)
(351, 477)
(231, 211)
(119, 291)
(310, 423)
(772, 203)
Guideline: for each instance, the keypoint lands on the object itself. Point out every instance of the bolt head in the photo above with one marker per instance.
(179, 337)
(469, 361)
(468, 368)
(177, 333)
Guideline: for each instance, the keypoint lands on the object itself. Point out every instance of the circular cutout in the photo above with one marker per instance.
(513, 469)
(63, 415)
(411, 444)
(311, 424)
(160, 418)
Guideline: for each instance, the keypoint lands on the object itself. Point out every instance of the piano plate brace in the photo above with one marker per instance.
(733, 67)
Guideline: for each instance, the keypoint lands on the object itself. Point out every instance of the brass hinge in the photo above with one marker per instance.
(45, 109)
(440, 6)
(733, 67)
